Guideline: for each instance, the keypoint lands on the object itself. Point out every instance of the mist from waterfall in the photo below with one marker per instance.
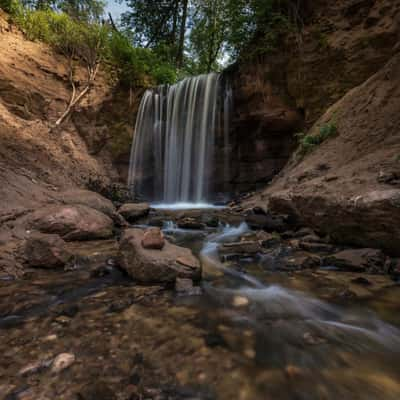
(172, 156)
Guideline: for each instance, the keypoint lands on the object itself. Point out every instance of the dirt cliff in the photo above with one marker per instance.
(35, 161)
(348, 186)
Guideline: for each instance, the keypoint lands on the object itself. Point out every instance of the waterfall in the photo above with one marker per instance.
(173, 147)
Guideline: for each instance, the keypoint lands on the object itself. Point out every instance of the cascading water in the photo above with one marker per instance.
(173, 148)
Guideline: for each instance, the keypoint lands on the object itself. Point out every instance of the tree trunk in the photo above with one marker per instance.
(181, 46)
(76, 98)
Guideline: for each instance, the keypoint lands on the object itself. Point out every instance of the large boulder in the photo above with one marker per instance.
(72, 222)
(134, 211)
(156, 266)
(370, 260)
(90, 199)
(45, 251)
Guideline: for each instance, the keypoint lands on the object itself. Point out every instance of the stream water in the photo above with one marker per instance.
(254, 333)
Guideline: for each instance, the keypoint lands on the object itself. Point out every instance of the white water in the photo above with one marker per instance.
(275, 302)
(185, 206)
(172, 151)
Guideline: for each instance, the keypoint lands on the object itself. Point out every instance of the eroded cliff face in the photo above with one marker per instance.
(341, 44)
(346, 72)
(35, 161)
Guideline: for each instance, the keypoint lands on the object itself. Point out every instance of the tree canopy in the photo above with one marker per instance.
(160, 41)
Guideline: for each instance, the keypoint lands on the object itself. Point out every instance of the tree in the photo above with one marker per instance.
(159, 24)
(82, 10)
(209, 30)
(83, 42)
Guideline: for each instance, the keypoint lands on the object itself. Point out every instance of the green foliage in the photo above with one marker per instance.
(307, 143)
(135, 66)
(6, 5)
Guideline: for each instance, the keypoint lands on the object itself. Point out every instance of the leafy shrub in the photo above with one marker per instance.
(135, 66)
(309, 142)
(6, 5)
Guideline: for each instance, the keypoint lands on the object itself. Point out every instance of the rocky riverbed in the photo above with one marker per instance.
(191, 304)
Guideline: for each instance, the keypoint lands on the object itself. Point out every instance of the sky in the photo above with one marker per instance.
(115, 8)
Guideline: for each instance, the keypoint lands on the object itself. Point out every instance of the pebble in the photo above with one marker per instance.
(62, 362)
(240, 301)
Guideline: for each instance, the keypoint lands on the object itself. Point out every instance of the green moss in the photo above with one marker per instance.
(308, 142)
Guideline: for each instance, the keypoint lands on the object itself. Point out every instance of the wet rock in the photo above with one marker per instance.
(62, 362)
(156, 266)
(312, 238)
(268, 223)
(73, 222)
(301, 233)
(303, 261)
(186, 287)
(243, 247)
(369, 260)
(132, 212)
(316, 247)
(263, 238)
(311, 339)
(361, 281)
(45, 251)
(190, 223)
(259, 211)
(240, 301)
(211, 221)
(153, 238)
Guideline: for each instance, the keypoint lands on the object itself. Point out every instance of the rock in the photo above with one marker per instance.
(370, 260)
(45, 251)
(34, 367)
(72, 222)
(293, 372)
(211, 221)
(190, 223)
(153, 238)
(132, 212)
(316, 247)
(156, 266)
(266, 222)
(189, 262)
(311, 339)
(264, 239)
(90, 199)
(62, 362)
(259, 211)
(303, 261)
(186, 287)
(240, 301)
(312, 238)
(370, 219)
(243, 247)
(301, 233)
(361, 281)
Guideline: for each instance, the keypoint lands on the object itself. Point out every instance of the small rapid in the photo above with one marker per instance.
(329, 323)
